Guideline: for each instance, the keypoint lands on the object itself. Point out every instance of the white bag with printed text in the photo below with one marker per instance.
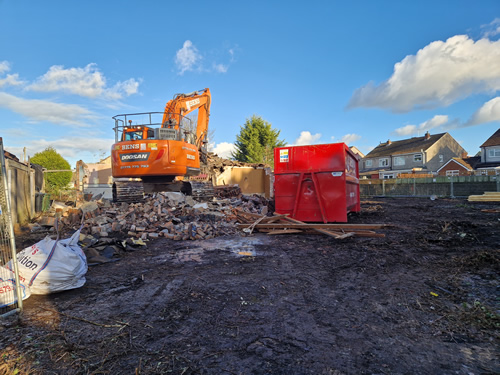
(52, 265)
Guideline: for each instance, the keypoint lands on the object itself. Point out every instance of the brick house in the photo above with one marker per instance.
(464, 166)
(417, 155)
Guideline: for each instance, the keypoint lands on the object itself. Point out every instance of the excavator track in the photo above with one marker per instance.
(133, 191)
(129, 191)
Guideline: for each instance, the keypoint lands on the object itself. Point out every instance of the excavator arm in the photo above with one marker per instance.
(183, 104)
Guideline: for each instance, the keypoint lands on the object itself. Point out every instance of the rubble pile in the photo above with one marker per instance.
(215, 165)
(167, 214)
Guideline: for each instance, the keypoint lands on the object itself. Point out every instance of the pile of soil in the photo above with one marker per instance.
(424, 299)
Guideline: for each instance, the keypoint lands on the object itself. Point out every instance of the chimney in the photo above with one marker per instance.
(389, 142)
(464, 155)
(427, 136)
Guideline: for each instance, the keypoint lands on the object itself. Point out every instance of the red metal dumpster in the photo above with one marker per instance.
(316, 183)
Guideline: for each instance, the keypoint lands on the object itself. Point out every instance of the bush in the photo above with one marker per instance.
(52, 160)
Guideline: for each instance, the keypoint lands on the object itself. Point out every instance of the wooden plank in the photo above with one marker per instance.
(272, 219)
(481, 198)
(348, 227)
(284, 231)
(322, 231)
(369, 234)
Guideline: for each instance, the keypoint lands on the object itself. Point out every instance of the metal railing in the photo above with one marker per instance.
(11, 301)
(152, 120)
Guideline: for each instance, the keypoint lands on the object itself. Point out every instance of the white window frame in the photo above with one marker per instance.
(383, 162)
(454, 172)
(417, 157)
(494, 152)
(368, 163)
(399, 160)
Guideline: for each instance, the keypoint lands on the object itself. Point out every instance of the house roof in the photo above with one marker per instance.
(10, 156)
(494, 140)
(473, 161)
(463, 162)
(405, 146)
(356, 151)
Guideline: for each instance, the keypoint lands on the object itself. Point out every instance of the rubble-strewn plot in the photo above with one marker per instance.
(421, 300)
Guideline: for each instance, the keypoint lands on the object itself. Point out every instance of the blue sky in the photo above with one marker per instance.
(361, 72)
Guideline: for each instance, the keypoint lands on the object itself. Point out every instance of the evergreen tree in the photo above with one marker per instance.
(52, 160)
(256, 142)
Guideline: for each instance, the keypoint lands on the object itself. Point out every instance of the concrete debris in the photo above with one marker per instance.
(110, 229)
(167, 214)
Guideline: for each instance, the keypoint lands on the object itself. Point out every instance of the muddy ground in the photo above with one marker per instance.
(423, 300)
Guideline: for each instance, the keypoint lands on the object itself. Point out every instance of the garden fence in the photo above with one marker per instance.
(439, 186)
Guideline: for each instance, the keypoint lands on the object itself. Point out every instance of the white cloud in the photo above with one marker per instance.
(348, 139)
(220, 68)
(439, 74)
(127, 88)
(187, 58)
(11, 79)
(224, 149)
(4, 66)
(73, 146)
(89, 149)
(306, 138)
(489, 112)
(492, 29)
(434, 122)
(88, 82)
(42, 110)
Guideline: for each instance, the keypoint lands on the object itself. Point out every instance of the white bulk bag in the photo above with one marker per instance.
(52, 265)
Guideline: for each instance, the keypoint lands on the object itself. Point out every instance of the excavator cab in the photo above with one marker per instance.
(137, 133)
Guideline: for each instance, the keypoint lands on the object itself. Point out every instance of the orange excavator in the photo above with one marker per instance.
(157, 151)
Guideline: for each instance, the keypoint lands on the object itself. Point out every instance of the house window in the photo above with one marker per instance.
(441, 158)
(368, 163)
(452, 173)
(398, 160)
(494, 153)
(388, 176)
(384, 162)
(417, 157)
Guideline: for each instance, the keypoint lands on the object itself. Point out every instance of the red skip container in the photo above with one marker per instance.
(316, 183)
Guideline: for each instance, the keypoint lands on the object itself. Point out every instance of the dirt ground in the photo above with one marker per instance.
(423, 300)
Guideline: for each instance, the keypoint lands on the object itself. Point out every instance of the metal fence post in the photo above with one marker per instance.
(452, 195)
(383, 187)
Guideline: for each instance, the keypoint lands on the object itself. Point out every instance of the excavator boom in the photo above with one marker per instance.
(183, 104)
